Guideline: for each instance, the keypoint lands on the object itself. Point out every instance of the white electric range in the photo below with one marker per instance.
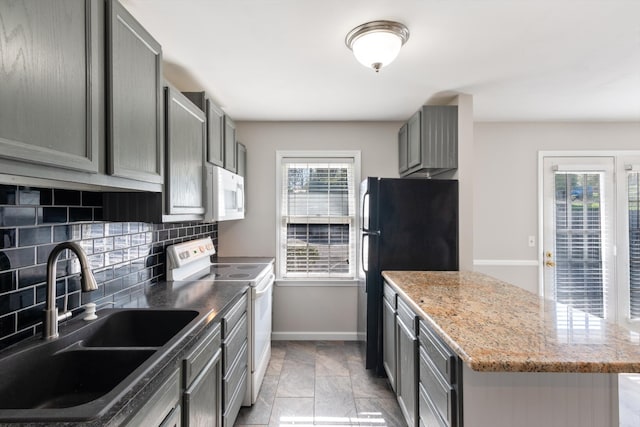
(192, 260)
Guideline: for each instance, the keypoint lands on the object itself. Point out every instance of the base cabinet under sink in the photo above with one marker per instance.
(201, 399)
(162, 407)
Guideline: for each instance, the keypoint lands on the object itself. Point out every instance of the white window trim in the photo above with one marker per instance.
(282, 154)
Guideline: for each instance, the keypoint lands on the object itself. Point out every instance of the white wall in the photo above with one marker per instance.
(312, 312)
(505, 193)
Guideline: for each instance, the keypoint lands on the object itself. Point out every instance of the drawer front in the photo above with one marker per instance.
(230, 415)
(160, 404)
(200, 355)
(231, 319)
(428, 414)
(440, 355)
(440, 394)
(232, 380)
(406, 316)
(232, 345)
(389, 295)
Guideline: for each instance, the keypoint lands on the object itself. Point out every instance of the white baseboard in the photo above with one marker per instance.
(314, 336)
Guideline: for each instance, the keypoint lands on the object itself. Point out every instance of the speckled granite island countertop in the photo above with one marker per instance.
(497, 327)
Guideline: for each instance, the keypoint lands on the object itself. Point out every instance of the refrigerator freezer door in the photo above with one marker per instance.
(412, 225)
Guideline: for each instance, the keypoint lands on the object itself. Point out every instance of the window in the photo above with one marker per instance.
(317, 215)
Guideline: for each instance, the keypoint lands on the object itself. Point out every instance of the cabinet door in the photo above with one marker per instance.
(49, 100)
(160, 405)
(407, 379)
(185, 136)
(403, 146)
(242, 162)
(389, 342)
(174, 419)
(201, 400)
(215, 134)
(229, 145)
(135, 98)
(414, 137)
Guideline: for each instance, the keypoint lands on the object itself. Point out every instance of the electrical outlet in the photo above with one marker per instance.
(532, 241)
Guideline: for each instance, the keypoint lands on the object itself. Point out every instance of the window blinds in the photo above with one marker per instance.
(317, 224)
(579, 272)
(633, 194)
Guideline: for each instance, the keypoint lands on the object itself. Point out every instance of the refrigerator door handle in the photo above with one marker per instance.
(362, 245)
(366, 271)
(362, 207)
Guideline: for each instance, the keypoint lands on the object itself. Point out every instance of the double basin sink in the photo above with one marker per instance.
(81, 374)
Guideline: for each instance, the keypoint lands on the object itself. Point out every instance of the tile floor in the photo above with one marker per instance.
(321, 383)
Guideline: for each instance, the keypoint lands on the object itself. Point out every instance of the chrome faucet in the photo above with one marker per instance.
(87, 283)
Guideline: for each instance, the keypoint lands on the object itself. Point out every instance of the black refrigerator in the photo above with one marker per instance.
(406, 224)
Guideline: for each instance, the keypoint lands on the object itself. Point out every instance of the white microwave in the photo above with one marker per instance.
(225, 191)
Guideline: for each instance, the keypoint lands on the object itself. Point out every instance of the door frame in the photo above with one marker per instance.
(620, 227)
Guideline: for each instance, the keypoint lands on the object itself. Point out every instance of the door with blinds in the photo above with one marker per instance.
(628, 217)
(578, 233)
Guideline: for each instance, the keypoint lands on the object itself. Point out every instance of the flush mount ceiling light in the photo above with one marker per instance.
(377, 43)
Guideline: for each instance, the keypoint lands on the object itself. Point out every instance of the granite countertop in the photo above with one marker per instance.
(210, 299)
(499, 327)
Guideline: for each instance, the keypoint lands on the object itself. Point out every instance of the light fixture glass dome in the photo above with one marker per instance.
(376, 44)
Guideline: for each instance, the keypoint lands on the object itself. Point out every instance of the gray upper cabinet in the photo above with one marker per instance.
(185, 137)
(428, 142)
(403, 146)
(215, 126)
(241, 160)
(230, 162)
(135, 98)
(414, 141)
(49, 101)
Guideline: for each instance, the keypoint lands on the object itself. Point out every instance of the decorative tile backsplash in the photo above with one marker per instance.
(124, 256)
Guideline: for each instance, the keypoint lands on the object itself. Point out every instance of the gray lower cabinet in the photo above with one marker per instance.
(234, 360)
(174, 419)
(389, 339)
(201, 399)
(407, 353)
(50, 83)
(440, 386)
(185, 138)
(230, 161)
(161, 407)
(215, 126)
(134, 110)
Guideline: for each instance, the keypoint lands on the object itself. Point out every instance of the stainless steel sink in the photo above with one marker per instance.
(80, 375)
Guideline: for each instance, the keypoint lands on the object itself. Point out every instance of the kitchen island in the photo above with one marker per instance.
(526, 360)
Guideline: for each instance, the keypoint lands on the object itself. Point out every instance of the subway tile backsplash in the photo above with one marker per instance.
(124, 256)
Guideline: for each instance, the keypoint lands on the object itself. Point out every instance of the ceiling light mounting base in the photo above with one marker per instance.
(376, 44)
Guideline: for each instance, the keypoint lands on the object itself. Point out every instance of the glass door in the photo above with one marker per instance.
(578, 257)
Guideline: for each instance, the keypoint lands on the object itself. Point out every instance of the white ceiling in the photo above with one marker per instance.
(520, 59)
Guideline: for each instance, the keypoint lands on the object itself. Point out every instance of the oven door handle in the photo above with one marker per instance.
(266, 288)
